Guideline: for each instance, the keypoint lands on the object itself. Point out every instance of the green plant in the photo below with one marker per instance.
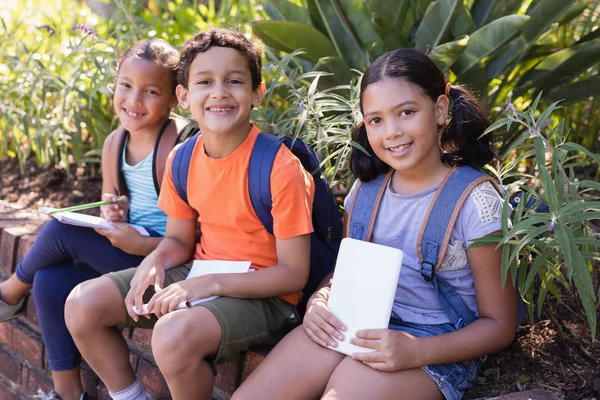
(552, 248)
(323, 118)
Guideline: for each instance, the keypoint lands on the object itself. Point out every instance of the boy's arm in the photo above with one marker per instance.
(176, 248)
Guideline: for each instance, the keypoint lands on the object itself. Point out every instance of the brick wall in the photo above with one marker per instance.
(23, 366)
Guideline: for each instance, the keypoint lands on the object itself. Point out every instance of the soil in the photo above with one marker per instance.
(558, 357)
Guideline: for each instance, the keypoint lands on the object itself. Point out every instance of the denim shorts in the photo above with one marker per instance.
(452, 379)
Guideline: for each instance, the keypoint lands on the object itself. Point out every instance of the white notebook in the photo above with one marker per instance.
(87, 221)
(363, 288)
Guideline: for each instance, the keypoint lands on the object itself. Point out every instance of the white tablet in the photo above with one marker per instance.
(363, 288)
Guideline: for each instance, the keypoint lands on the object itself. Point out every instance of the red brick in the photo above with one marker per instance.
(8, 391)
(9, 239)
(23, 342)
(252, 361)
(102, 393)
(25, 243)
(31, 315)
(152, 380)
(10, 367)
(90, 381)
(32, 381)
(227, 375)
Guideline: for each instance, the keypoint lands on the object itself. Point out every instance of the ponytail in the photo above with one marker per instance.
(365, 167)
(460, 141)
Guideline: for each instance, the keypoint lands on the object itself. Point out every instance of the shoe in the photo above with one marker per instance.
(52, 395)
(7, 311)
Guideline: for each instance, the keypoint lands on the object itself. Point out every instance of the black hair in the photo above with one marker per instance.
(460, 139)
(159, 52)
(221, 37)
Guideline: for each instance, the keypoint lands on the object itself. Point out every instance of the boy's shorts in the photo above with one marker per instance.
(244, 322)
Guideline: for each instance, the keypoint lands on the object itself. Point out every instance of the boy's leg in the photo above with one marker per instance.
(180, 342)
(297, 368)
(354, 380)
(92, 312)
(50, 290)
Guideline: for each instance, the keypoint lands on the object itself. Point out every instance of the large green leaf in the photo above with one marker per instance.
(290, 11)
(290, 36)
(497, 63)
(393, 20)
(574, 92)
(445, 55)
(504, 7)
(561, 66)
(359, 18)
(340, 33)
(487, 40)
(573, 12)
(436, 24)
(480, 11)
(463, 24)
(543, 15)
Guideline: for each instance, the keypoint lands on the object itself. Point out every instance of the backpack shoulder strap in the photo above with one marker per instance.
(166, 140)
(364, 208)
(439, 221)
(110, 157)
(181, 166)
(262, 157)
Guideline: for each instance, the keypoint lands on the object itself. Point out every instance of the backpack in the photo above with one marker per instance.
(327, 221)
(434, 235)
(172, 132)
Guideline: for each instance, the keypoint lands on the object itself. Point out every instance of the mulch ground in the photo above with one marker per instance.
(558, 357)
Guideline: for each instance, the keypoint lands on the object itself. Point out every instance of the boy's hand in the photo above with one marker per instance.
(123, 237)
(321, 325)
(169, 298)
(149, 273)
(115, 212)
(395, 350)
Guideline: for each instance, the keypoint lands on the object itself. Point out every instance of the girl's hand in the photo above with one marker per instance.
(167, 299)
(321, 325)
(115, 212)
(123, 237)
(149, 272)
(395, 350)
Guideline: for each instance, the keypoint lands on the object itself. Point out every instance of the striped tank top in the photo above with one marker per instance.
(143, 208)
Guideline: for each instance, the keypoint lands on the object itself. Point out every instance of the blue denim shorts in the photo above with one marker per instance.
(452, 379)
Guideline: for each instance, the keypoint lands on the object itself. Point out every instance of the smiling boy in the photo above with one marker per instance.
(219, 82)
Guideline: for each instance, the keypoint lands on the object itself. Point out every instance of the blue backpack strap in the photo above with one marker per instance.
(365, 205)
(263, 155)
(181, 166)
(434, 238)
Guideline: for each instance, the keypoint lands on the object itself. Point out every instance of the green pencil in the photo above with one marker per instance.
(86, 206)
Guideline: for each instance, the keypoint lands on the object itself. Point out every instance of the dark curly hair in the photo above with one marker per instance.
(221, 37)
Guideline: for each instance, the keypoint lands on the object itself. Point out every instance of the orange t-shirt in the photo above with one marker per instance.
(218, 196)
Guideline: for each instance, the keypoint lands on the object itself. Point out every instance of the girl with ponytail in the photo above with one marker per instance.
(418, 129)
